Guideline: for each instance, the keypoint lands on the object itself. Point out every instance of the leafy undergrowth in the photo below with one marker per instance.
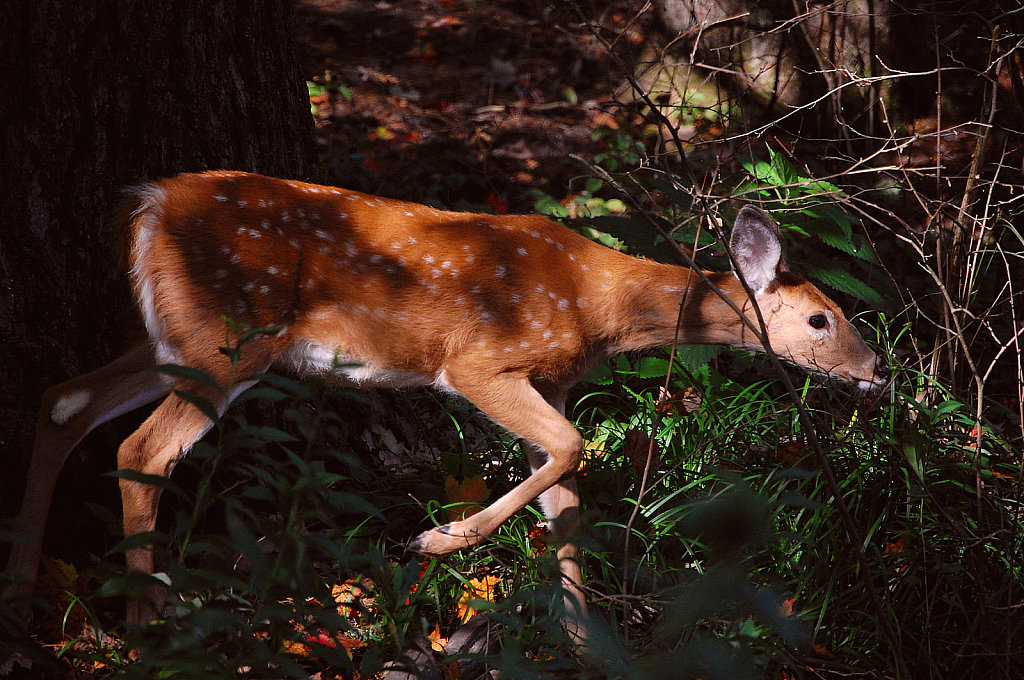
(728, 560)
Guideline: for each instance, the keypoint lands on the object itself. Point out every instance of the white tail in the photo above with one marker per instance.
(509, 312)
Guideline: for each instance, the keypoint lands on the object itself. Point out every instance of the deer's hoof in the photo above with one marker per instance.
(440, 541)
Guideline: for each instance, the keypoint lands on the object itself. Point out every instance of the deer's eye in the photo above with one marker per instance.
(818, 321)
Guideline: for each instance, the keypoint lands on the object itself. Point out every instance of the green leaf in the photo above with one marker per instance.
(695, 357)
(653, 367)
(546, 205)
(671, 191)
(845, 282)
(600, 375)
(638, 235)
(188, 373)
(202, 403)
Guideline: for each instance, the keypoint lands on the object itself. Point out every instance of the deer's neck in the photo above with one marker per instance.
(641, 308)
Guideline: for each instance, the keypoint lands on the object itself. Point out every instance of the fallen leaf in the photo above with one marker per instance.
(538, 537)
(789, 454)
(448, 21)
(496, 204)
(348, 596)
(896, 546)
(821, 652)
(466, 497)
(479, 589)
(296, 648)
(437, 642)
(637, 445)
(62, 586)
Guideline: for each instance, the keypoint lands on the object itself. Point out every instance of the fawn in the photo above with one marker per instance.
(507, 311)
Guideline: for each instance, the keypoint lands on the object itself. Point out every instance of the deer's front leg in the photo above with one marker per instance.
(514, 404)
(155, 448)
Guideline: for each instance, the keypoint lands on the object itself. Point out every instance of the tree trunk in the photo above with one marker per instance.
(723, 59)
(98, 95)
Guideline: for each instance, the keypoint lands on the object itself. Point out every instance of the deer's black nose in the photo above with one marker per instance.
(882, 369)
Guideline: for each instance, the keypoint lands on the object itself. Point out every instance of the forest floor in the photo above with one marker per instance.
(459, 102)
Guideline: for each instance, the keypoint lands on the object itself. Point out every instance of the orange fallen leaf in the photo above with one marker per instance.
(787, 607)
(538, 537)
(437, 642)
(297, 648)
(896, 546)
(479, 589)
(789, 454)
(821, 652)
(348, 595)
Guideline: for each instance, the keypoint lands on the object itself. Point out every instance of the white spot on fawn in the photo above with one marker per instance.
(522, 252)
(563, 304)
(69, 405)
(272, 271)
(500, 271)
(220, 198)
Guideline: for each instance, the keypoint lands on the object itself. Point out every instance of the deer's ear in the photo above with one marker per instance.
(758, 247)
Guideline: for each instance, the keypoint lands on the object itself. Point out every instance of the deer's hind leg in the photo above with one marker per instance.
(67, 413)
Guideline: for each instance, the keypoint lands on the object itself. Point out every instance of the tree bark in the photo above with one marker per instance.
(97, 95)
